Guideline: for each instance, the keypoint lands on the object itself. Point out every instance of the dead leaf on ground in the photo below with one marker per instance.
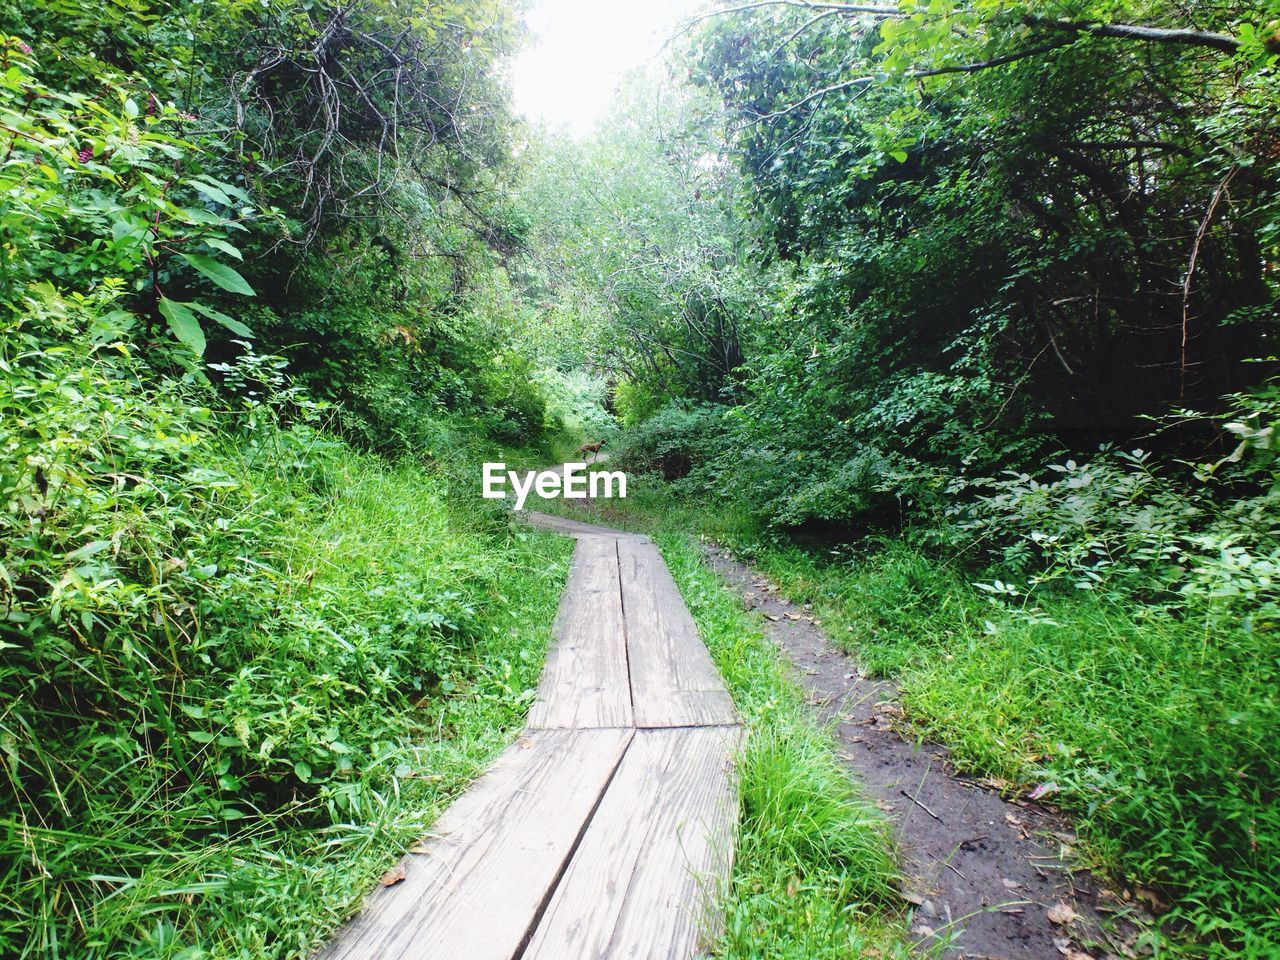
(1044, 790)
(1011, 884)
(1062, 914)
(1157, 903)
(392, 877)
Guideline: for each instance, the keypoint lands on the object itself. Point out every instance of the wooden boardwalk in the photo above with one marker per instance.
(607, 829)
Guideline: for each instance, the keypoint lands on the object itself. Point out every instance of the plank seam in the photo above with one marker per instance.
(626, 630)
(541, 911)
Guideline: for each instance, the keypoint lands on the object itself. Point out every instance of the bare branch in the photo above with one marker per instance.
(1126, 31)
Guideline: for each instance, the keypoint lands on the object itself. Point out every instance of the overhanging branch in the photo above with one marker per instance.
(1127, 31)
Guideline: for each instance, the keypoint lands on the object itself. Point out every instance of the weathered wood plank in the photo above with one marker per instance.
(673, 681)
(585, 681)
(574, 528)
(644, 880)
(494, 857)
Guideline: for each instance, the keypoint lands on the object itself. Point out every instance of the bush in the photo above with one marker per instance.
(514, 406)
(672, 442)
(221, 627)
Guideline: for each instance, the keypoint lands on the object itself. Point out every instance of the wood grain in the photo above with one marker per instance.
(647, 875)
(673, 681)
(585, 682)
(494, 858)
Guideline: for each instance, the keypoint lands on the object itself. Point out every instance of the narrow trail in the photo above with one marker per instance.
(607, 829)
(989, 878)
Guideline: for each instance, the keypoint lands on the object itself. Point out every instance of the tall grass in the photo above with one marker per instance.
(243, 665)
(814, 876)
(404, 649)
(1157, 730)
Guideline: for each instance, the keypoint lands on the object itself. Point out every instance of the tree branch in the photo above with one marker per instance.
(1126, 31)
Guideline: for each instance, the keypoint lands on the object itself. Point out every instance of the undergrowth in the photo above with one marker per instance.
(814, 872)
(243, 662)
(1155, 731)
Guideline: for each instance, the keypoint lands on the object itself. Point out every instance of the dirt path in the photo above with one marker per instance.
(988, 877)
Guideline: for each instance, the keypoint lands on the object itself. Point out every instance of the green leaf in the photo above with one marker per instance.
(183, 324)
(235, 326)
(88, 550)
(212, 192)
(225, 277)
(221, 186)
(219, 244)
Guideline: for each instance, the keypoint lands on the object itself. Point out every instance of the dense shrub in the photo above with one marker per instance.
(672, 442)
(244, 658)
(215, 621)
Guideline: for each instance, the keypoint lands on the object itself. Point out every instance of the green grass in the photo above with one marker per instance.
(1159, 731)
(357, 645)
(814, 875)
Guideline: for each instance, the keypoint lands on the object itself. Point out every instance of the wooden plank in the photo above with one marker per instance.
(673, 681)
(494, 857)
(573, 528)
(585, 681)
(645, 879)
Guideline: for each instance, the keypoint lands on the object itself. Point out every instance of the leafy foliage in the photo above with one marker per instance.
(242, 661)
(1006, 292)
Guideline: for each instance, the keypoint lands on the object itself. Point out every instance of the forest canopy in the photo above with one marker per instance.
(957, 316)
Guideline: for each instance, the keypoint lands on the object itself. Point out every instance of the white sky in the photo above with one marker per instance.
(579, 50)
